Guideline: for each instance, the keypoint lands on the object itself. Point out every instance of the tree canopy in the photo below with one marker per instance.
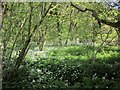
(64, 35)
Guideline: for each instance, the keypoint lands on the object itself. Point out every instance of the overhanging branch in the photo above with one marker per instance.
(95, 15)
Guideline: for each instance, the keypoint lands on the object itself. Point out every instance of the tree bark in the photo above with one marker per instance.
(0, 47)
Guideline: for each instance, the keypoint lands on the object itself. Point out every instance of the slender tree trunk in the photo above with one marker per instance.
(17, 38)
(59, 31)
(119, 38)
(119, 28)
(0, 46)
(70, 28)
(41, 39)
(93, 40)
(22, 53)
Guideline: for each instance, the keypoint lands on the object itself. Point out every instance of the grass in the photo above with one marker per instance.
(72, 53)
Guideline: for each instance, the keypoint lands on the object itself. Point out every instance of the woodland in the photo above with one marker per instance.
(60, 45)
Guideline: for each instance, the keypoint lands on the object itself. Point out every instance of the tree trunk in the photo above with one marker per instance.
(21, 55)
(59, 31)
(41, 40)
(27, 42)
(118, 37)
(0, 47)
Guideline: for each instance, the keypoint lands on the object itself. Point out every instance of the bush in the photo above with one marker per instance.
(67, 72)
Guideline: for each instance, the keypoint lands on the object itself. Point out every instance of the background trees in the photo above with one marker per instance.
(83, 31)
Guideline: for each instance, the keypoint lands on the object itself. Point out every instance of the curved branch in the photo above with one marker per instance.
(95, 15)
(112, 24)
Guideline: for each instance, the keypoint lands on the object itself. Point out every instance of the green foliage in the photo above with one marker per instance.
(67, 73)
(60, 65)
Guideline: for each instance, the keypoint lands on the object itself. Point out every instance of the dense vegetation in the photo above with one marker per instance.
(67, 67)
(60, 45)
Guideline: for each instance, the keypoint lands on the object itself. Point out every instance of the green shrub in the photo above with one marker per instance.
(69, 71)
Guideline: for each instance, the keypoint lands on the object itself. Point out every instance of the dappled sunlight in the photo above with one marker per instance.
(60, 45)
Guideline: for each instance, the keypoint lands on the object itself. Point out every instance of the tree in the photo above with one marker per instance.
(0, 47)
(21, 32)
(95, 15)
